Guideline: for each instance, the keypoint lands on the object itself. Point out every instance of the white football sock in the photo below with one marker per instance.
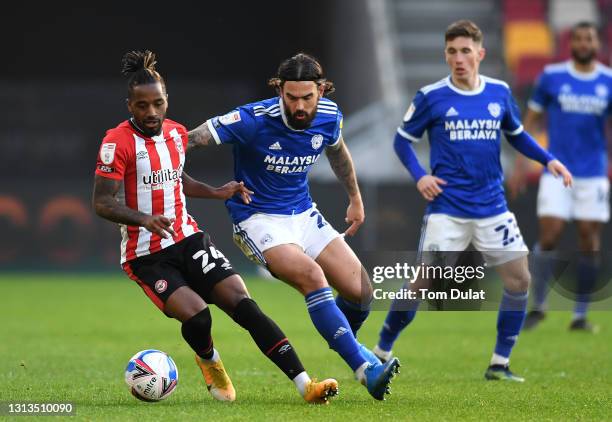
(301, 381)
(215, 357)
(382, 354)
(360, 373)
(499, 360)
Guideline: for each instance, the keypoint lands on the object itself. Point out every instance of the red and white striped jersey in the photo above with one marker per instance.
(150, 170)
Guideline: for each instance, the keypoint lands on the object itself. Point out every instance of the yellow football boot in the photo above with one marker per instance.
(218, 382)
(319, 392)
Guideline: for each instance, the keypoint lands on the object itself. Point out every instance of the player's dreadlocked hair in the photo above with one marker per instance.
(301, 67)
(139, 67)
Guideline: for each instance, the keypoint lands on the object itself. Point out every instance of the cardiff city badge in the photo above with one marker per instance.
(494, 109)
(317, 141)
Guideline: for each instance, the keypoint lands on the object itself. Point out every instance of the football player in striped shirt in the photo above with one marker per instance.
(275, 143)
(140, 184)
(464, 116)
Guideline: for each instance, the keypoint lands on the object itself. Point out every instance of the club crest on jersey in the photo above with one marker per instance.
(494, 109)
(161, 286)
(230, 118)
(266, 239)
(178, 143)
(601, 90)
(107, 153)
(316, 141)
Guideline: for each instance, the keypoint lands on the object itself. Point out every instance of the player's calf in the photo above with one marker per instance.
(355, 313)
(196, 332)
(274, 344)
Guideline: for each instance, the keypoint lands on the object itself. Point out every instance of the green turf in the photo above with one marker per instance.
(68, 338)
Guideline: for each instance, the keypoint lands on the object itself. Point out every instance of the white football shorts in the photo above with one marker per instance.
(587, 200)
(309, 230)
(498, 238)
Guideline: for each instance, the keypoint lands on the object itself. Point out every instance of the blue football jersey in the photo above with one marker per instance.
(464, 130)
(576, 106)
(272, 158)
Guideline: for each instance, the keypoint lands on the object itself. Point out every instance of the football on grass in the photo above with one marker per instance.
(151, 375)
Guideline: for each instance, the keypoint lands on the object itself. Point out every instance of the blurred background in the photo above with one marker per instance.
(61, 89)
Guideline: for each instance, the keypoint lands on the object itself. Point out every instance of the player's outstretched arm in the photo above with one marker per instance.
(518, 179)
(106, 206)
(342, 164)
(200, 137)
(196, 189)
(526, 145)
(429, 186)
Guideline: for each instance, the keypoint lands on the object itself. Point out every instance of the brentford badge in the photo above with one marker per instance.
(178, 142)
(107, 153)
(161, 286)
(317, 141)
(494, 109)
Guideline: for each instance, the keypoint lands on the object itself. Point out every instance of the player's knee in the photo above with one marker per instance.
(547, 242)
(525, 281)
(519, 282)
(367, 293)
(588, 241)
(310, 279)
(247, 312)
(549, 237)
(199, 324)
(361, 295)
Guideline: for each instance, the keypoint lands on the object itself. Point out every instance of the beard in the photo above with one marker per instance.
(584, 57)
(304, 120)
(147, 130)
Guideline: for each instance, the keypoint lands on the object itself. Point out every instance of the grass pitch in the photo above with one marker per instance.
(69, 337)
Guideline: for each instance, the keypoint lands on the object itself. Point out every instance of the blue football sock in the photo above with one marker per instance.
(353, 312)
(333, 326)
(587, 277)
(542, 272)
(510, 321)
(396, 321)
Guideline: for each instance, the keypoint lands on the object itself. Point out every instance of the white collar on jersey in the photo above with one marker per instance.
(476, 91)
(583, 76)
(282, 110)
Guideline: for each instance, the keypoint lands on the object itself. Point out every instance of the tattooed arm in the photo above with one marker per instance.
(106, 206)
(342, 164)
(200, 137)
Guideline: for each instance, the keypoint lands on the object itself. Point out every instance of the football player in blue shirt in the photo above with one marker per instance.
(464, 115)
(576, 96)
(275, 143)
